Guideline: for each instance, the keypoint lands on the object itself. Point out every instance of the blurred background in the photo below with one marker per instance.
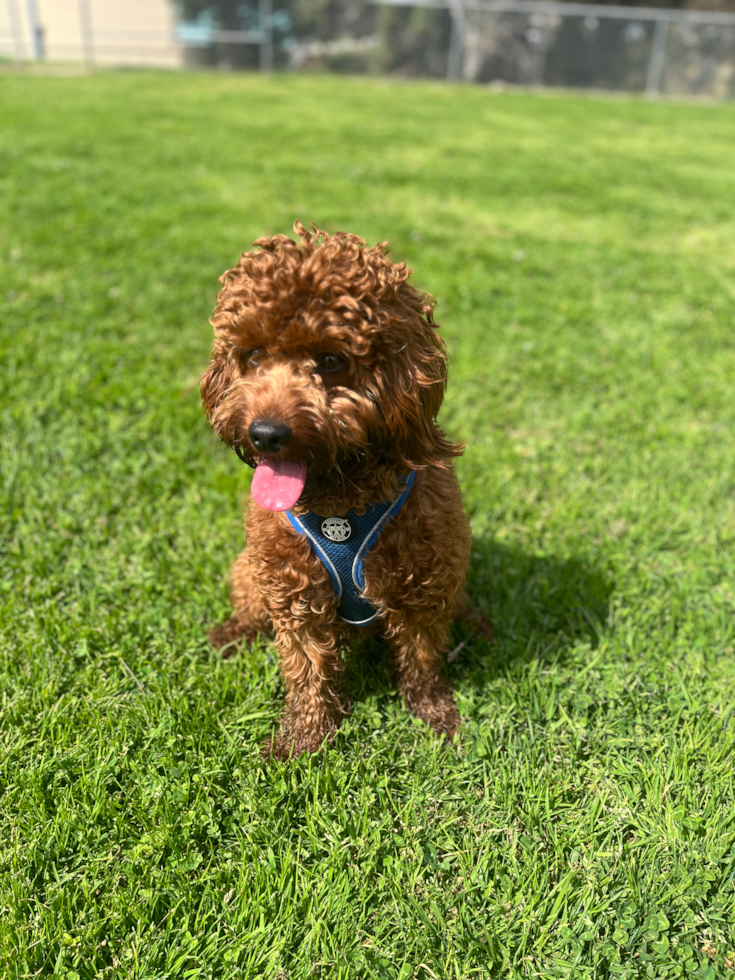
(669, 48)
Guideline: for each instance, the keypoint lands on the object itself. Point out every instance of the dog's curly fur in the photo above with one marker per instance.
(360, 428)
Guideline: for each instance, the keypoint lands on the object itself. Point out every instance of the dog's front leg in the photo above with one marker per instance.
(312, 671)
(418, 655)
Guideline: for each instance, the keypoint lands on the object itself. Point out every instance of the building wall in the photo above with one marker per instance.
(124, 32)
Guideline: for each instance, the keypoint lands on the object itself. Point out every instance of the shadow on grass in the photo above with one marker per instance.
(540, 607)
(538, 602)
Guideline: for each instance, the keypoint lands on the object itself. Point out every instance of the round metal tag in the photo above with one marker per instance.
(337, 529)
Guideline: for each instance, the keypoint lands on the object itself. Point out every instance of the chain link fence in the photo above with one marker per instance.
(522, 42)
(590, 46)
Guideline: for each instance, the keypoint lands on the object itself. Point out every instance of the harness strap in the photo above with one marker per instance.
(342, 543)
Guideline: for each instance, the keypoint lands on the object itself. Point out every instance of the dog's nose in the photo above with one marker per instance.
(268, 436)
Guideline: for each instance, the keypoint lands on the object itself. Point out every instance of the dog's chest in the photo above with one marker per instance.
(342, 543)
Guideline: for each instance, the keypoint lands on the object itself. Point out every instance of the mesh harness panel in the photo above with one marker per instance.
(341, 544)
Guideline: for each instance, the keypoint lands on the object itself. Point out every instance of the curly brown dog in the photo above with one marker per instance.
(327, 376)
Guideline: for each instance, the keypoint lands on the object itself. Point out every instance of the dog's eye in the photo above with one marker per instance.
(255, 356)
(329, 363)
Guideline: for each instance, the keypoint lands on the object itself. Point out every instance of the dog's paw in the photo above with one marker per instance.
(227, 636)
(442, 719)
(438, 711)
(289, 745)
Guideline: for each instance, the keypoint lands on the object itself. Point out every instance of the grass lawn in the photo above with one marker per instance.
(583, 825)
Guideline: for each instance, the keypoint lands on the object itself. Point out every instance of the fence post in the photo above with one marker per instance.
(658, 58)
(17, 31)
(539, 66)
(456, 41)
(35, 29)
(266, 32)
(85, 23)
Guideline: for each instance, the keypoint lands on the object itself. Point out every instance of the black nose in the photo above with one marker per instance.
(268, 436)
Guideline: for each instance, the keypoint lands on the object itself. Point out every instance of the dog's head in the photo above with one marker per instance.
(325, 367)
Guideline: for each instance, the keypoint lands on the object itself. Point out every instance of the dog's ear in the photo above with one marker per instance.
(215, 383)
(415, 378)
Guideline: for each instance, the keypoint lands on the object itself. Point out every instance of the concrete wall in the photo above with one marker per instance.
(123, 32)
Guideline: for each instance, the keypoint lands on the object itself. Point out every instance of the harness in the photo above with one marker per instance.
(341, 544)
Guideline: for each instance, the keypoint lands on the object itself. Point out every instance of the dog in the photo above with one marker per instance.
(326, 376)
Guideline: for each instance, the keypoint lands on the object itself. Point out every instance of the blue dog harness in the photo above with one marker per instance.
(341, 543)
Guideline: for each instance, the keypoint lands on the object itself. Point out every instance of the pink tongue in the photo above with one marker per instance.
(278, 483)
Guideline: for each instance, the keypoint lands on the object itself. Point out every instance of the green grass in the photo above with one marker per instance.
(584, 823)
